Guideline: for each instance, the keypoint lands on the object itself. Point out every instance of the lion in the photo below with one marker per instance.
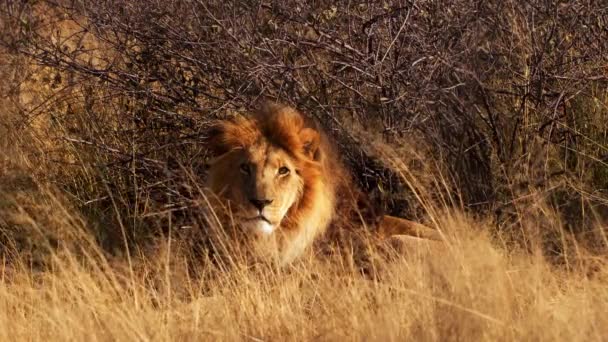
(281, 177)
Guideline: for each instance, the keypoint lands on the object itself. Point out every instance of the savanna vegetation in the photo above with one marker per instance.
(486, 120)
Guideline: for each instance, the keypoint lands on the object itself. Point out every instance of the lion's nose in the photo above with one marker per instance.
(260, 203)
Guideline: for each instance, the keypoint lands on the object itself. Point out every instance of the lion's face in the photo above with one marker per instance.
(264, 185)
(264, 166)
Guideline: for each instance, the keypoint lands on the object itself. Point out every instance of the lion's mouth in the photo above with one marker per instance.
(259, 218)
(261, 225)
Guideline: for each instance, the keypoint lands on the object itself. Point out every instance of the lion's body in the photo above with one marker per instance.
(280, 177)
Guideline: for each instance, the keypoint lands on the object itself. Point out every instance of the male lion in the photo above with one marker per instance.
(280, 177)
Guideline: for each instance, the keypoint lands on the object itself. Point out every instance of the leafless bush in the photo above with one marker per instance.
(509, 96)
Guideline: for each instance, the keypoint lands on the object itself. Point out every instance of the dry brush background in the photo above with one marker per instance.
(485, 119)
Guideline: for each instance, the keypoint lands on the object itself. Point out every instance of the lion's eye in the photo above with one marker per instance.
(245, 168)
(283, 171)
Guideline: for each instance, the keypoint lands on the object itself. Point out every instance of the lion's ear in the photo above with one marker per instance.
(225, 136)
(311, 141)
(215, 138)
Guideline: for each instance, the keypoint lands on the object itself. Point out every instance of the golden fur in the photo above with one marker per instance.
(280, 176)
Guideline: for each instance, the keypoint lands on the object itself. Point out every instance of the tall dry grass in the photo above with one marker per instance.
(476, 287)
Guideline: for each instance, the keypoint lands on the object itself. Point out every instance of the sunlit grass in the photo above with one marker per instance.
(470, 290)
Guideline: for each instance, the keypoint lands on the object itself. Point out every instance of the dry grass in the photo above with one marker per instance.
(474, 289)
(471, 291)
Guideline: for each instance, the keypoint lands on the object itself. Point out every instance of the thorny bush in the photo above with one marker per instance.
(508, 97)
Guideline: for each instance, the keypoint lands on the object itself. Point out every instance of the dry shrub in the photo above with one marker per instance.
(509, 96)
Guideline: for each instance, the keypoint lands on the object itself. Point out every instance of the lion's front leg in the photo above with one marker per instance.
(391, 226)
(409, 237)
